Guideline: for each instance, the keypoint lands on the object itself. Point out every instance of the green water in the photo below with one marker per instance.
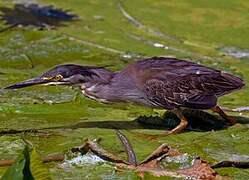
(116, 33)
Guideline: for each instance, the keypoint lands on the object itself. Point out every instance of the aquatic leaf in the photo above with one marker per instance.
(20, 169)
(16, 170)
(38, 170)
(28, 166)
(202, 25)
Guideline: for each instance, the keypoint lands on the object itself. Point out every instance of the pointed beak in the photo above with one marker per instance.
(30, 82)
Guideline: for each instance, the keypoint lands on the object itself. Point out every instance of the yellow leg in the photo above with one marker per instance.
(183, 123)
(218, 110)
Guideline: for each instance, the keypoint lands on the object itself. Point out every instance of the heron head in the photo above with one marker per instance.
(68, 74)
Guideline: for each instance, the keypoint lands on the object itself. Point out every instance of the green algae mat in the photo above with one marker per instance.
(115, 33)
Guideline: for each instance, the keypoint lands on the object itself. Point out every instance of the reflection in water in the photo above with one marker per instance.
(35, 15)
(198, 120)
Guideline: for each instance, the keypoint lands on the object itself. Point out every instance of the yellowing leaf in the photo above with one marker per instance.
(38, 170)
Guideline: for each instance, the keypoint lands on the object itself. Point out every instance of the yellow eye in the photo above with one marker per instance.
(58, 77)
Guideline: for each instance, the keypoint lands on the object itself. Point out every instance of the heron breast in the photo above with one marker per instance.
(90, 95)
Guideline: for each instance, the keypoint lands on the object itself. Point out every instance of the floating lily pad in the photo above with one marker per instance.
(105, 34)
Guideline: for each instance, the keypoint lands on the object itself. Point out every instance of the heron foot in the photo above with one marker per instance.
(229, 119)
(183, 123)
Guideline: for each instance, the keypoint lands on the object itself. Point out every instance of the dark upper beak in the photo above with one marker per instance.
(30, 82)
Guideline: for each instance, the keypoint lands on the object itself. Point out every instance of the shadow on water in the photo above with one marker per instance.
(198, 121)
(35, 15)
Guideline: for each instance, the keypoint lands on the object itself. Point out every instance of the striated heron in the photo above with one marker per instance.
(158, 82)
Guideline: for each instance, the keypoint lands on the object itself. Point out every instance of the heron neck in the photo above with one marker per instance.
(115, 89)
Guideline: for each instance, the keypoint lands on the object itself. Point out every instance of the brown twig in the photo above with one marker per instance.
(102, 153)
(46, 159)
(128, 149)
(155, 171)
(82, 149)
(53, 157)
(236, 164)
(199, 170)
(159, 152)
(8, 162)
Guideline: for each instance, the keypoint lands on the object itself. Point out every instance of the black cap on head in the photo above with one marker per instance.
(57, 75)
(68, 70)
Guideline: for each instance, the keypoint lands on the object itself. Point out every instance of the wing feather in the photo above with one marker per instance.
(169, 97)
(170, 82)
